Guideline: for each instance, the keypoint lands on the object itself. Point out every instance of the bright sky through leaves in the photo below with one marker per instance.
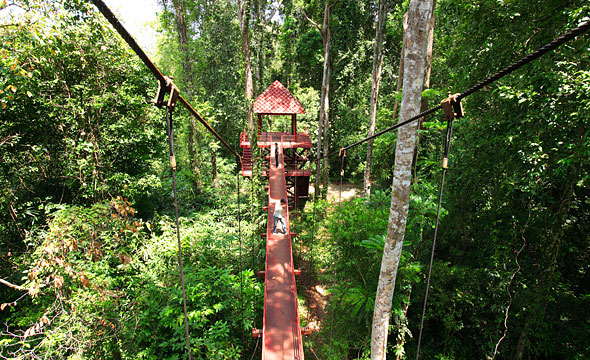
(139, 18)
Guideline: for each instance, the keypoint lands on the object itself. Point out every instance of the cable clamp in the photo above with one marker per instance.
(452, 107)
(174, 94)
(163, 88)
(166, 87)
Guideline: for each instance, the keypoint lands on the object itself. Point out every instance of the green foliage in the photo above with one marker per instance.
(99, 273)
(514, 190)
(77, 131)
(357, 228)
(76, 125)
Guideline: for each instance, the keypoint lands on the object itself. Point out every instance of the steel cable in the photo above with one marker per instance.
(240, 265)
(108, 14)
(342, 158)
(447, 147)
(507, 70)
(170, 131)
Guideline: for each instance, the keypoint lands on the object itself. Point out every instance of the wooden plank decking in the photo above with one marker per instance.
(281, 334)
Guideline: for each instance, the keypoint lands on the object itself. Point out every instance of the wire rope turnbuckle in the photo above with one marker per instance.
(342, 155)
(452, 107)
(167, 87)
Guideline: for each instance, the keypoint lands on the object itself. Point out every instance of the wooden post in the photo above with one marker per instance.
(294, 124)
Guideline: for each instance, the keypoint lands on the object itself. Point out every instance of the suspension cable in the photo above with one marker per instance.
(240, 262)
(527, 59)
(108, 14)
(447, 147)
(500, 74)
(256, 348)
(170, 131)
(342, 158)
(313, 228)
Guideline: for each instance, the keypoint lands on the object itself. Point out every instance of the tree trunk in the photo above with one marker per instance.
(323, 123)
(181, 28)
(193, 133)
(400, 80)
(416, 39)
(260, 27)
(214, 169)
(377, 67)
(427, 70)
(326, 149)
(400, 73)
(243, 16)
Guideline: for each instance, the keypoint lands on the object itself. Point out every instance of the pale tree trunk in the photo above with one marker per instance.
(193, 132)
(244, 17)
(427, 70)
(324, 121)
(400, 80)
(416, 41)
(400, 73)
(325, 150)
(259, 27)
(377, 67)
(262, 21)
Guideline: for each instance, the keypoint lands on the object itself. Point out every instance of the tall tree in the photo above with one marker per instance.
(401, 339)
(400, 72)
(244, 18)
(427, 71)
(324, 120)
(187, 68)
(419, 14)
(377, 67)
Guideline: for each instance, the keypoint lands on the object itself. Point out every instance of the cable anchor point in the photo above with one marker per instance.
(166, 87)
(452, 107)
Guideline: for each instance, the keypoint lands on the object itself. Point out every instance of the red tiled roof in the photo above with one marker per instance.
(277, 100)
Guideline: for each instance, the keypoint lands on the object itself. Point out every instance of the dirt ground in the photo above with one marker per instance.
(315, 293)
(348, 191)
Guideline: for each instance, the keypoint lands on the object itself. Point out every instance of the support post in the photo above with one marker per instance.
(294, 125)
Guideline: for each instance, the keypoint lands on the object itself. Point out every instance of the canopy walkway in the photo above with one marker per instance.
(281, 332)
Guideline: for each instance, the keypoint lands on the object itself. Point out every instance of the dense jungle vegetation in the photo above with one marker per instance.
(88, 253)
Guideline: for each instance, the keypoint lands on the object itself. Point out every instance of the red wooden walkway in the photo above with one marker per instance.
(281, 334)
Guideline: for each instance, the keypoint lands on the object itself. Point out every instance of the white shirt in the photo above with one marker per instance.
(278, 209)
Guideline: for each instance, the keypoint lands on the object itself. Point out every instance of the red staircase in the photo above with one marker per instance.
(246, 154)
(247, 161)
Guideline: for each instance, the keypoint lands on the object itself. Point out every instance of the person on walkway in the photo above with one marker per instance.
(277, 154)
(278, 216)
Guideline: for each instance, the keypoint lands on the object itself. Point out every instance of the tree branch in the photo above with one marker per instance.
(279, 3)
(311, 21)
(17, 287)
